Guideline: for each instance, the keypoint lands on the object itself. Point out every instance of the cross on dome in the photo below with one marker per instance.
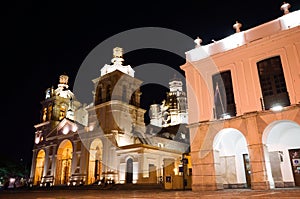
(117, 52)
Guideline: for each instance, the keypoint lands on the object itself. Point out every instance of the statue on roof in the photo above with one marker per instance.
(285, 7)
(198, 42)
(237, 26)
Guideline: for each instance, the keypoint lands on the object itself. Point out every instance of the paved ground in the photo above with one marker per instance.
(144, 194)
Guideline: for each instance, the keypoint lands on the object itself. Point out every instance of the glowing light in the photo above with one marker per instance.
(91, 128)
(226, 116)
(277, 108)
(175, 170)
(12, 180)
(37, 140)
(74, 128)
(65, 130)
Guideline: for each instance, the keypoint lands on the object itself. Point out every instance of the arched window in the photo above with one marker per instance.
(62, 112)
(44, 119)
(272, 83)
(133, 99)
(49, 112)
(108, 93)
(100, 100)
(124, 93)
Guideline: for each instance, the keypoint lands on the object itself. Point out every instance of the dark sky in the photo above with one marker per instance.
(43, 39)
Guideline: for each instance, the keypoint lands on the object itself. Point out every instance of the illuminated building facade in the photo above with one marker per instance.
(173, 110)
(244, 111)
(105, 140)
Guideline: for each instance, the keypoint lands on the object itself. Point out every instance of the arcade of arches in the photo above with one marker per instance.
(241, 157)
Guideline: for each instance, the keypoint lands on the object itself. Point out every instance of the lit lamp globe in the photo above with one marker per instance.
(65, 131)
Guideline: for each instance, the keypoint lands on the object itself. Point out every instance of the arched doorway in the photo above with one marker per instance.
(95, 161)
(129, 170)
(282, 152)
(39, 167)
(64, 162)
(231, 158)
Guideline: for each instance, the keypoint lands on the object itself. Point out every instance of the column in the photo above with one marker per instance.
(53, 157)
(259, 178)
(33, 164)
(54, 164)
(74, 158)
(84, 160)
(46, 161)
(204, 171)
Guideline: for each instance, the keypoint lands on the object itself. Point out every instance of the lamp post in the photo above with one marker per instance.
(184, 164)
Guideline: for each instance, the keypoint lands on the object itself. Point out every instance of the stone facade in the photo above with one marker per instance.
(105, 141)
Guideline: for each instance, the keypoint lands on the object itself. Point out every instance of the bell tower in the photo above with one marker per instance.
(58, 103)
(117, 100)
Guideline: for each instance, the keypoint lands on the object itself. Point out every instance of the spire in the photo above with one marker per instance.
(62, 88)
(117, 56)
(118, 52)
(117, 64)
(63, 81)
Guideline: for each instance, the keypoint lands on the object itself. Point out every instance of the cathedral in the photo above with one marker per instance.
(108, 140)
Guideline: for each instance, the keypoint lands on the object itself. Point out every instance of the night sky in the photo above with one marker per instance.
(44, 39)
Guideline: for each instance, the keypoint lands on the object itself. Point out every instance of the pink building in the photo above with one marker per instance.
(244, 107)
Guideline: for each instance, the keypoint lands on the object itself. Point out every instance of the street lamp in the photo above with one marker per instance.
(184, 161)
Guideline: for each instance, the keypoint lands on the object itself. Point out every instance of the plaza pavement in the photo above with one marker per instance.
(291, 193)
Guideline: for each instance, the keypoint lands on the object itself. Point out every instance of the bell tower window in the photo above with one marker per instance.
(49, 115)
(108, 93)
(62, 112)
(44, 114)
(124, 93)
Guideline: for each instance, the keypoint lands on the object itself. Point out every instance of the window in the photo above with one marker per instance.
(44, 114)
(124, 94)
(223, 95)
(100, 90)
(272, 83)
(62, 112)
(49, 112)
(160, 145)
(108, 93)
